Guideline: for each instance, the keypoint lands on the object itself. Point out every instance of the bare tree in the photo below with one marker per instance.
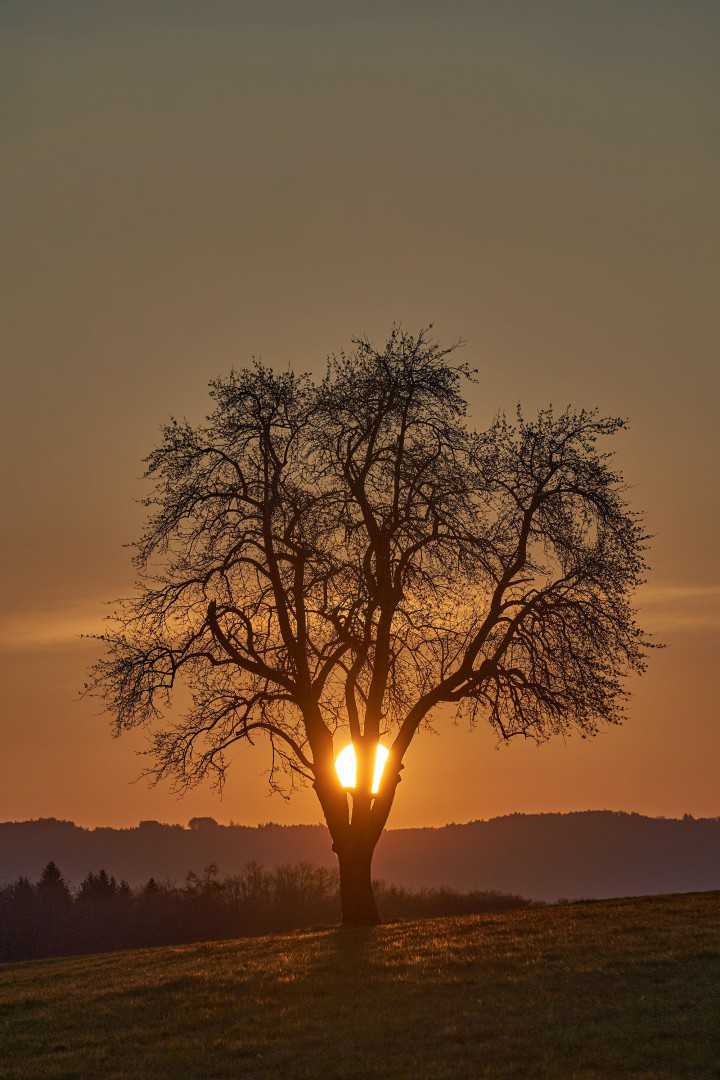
(346, 555)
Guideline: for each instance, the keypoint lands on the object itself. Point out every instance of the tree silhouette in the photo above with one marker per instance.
(346, 555)
(53, 885)
(52, 904)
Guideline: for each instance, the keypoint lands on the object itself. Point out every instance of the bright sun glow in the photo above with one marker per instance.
(346, 767)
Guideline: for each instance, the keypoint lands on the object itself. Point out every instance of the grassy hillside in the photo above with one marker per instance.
(625, 988)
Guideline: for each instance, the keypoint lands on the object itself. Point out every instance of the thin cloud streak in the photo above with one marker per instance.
(666, 607)
(41, 630)
(661, 594)
(669, 608)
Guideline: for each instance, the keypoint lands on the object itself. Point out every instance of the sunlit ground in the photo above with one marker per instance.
(600, 990)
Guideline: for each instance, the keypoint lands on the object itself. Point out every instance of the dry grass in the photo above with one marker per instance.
(627, 988)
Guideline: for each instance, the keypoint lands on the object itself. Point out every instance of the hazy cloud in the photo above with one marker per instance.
(49, 629)
(681, 607)
(664, 607)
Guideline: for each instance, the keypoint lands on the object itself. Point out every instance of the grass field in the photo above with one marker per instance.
(627, 988)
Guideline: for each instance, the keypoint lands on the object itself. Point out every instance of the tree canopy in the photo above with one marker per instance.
(347, 553)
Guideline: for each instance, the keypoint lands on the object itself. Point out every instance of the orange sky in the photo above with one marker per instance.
(185, 190)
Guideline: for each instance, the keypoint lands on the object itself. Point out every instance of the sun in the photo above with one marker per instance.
(346, 767)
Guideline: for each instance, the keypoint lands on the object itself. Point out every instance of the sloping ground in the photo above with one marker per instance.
(625, 988)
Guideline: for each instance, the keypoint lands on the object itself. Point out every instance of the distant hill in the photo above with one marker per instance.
(596, 854)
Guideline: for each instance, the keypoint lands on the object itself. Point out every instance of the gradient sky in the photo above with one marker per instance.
(186, 185)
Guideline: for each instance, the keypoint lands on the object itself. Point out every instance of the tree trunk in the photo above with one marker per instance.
(356, 891)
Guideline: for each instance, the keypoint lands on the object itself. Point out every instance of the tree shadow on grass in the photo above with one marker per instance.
(389, 1001)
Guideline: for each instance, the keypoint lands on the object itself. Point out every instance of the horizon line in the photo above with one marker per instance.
(212, 823)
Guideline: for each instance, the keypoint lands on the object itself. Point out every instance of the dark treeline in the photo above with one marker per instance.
(50, 919)
(543, 856)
